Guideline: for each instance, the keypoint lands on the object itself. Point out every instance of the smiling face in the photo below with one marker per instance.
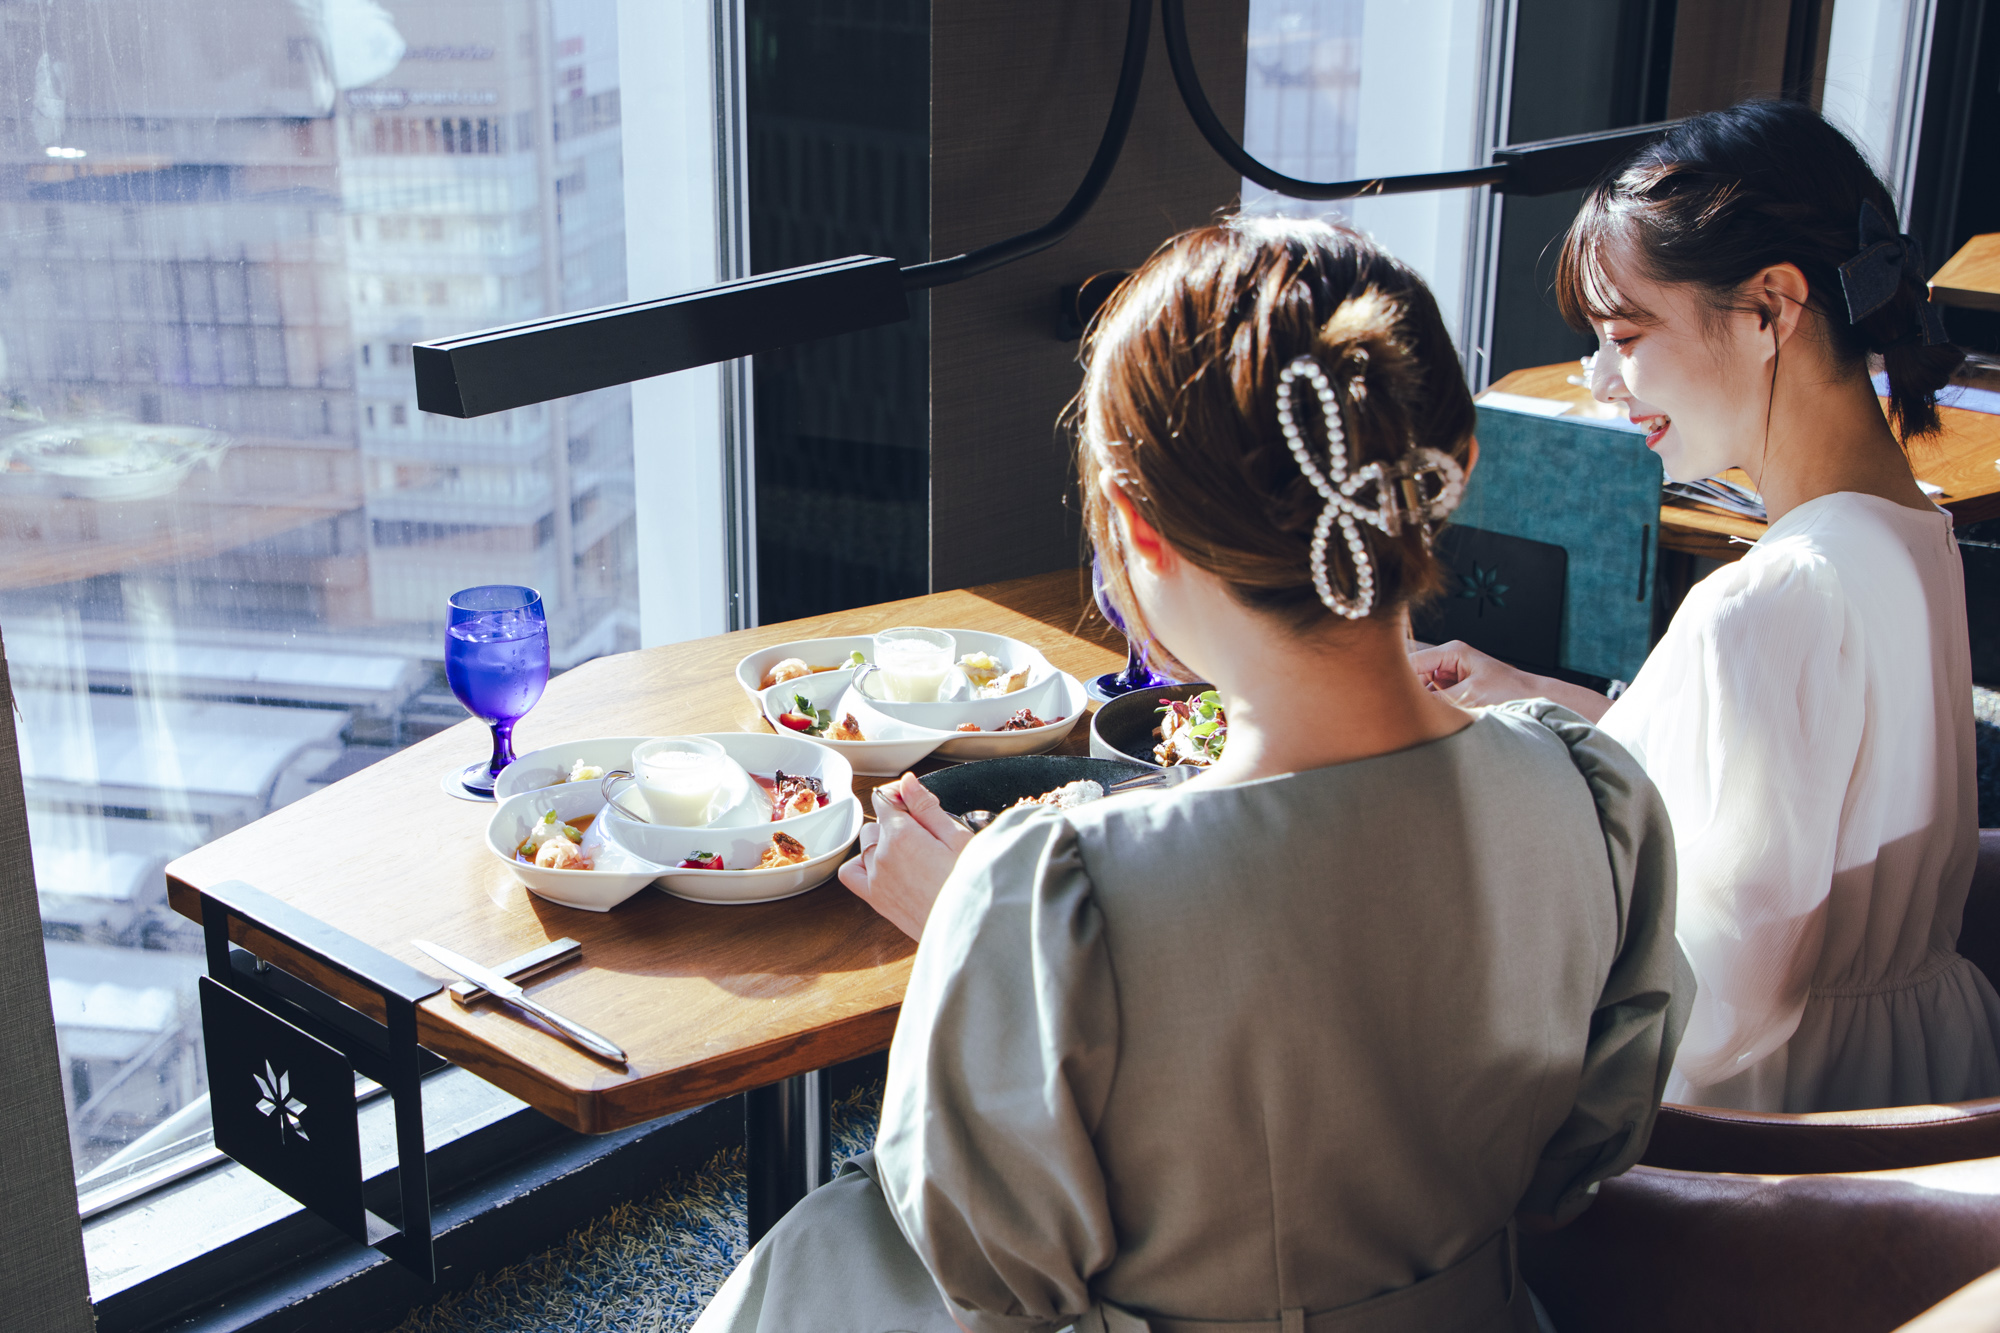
(1697, 380)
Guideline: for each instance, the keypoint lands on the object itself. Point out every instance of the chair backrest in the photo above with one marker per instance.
(1505, 597)
(1677, 1250)
(1594, 490)
(1709, 1138)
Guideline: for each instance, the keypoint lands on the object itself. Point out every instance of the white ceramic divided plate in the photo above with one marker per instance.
(834, 652)
(550, 765)
(891, 748)
(730, 887)
(591, 890)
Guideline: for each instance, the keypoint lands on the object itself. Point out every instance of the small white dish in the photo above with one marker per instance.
(833, 653)
(550, 766)
(590, 890)
(1035, 740)
(733, 887)
(892, 747)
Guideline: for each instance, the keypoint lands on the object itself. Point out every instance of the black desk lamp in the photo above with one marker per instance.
(532, 362)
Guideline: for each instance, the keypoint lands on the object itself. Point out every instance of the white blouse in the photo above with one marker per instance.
(1808, 719)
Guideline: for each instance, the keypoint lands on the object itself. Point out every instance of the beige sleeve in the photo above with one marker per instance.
(1001, 1066)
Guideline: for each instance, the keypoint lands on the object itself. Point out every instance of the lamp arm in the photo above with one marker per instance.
(1138, 33)
(1173, 22)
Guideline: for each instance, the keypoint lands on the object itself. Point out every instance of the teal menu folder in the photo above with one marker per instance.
(1592, 488)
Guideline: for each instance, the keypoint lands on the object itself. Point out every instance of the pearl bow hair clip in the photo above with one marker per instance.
(1399, 490)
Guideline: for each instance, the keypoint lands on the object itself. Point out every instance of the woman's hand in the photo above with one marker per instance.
(906, 855)
(1470, 678)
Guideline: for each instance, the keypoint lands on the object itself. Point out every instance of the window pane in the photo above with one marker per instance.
(226, 533)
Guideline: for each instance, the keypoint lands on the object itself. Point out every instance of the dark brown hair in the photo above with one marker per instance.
(1180, 407)
(1726, 194)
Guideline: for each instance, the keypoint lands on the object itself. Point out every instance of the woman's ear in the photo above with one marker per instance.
(1141, 540)
(1779, 293)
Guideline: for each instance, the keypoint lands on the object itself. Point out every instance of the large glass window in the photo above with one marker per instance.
(226, 533)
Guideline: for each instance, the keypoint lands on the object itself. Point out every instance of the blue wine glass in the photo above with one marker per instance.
(496, 656)
(1138, 674)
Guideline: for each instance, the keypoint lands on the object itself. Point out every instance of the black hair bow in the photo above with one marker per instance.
(1887, 260)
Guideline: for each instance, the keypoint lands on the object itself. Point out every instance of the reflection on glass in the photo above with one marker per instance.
(227, 536)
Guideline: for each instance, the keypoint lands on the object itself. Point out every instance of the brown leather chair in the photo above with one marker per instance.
(1686, 1251)
(1707, 1138)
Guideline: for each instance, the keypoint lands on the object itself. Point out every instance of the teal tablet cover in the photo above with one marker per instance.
(1593, 489)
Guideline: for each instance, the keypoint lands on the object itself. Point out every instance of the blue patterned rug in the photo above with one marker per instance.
(649, 1266)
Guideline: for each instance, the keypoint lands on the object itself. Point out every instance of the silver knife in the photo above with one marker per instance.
(502, 989)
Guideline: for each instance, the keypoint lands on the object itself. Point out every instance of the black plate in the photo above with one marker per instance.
(995, 784)
(1126, 724)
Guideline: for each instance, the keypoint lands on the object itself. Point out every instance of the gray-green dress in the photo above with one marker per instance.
(1290, 1053)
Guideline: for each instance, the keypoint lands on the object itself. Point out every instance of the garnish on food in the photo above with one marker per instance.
(1191, 731)
(552, 843)
(802, 716)
(847, 729)
(1025, 720)
(582, 772)
(703, 861)
(785, 850)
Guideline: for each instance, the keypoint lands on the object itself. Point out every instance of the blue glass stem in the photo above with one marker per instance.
(503, 745)
(1136, 675)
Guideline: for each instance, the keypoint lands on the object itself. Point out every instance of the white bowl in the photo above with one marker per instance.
(763, 886)
(816, 652)
(590, 890)
(892, 747)
(738, 843)
(1035, 740)
(550, 765)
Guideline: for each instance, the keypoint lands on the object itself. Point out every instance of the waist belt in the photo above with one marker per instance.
(1472, 1294)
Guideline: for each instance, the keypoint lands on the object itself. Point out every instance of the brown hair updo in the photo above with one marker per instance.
(1179, 407)
(1722, 196)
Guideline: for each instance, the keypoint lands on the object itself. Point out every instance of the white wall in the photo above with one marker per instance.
(666, 72)
(1876, 60)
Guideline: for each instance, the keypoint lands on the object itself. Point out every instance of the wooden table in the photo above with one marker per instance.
(707, 1000)
(1963, 461)
(1971, 278)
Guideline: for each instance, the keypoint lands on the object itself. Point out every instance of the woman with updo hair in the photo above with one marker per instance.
(1808, 715)
(1287, 1048)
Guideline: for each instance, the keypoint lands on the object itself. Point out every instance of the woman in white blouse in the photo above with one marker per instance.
(1808, 715)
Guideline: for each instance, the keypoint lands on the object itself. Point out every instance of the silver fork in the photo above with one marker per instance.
(972, 821)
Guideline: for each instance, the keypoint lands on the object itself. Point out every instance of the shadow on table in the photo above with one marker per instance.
(1062, 604)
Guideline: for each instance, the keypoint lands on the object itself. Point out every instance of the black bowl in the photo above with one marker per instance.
(995, 784)
(1124, 727)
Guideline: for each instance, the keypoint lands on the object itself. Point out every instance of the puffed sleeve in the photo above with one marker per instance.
(999, 1073)
(1647, 993)
(1751, 729)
